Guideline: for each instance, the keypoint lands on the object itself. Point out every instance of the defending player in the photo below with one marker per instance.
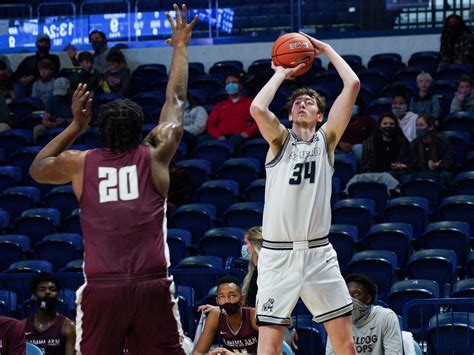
(296, 259)
(121, 188)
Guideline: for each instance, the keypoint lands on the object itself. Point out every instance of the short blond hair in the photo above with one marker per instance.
(424, 75)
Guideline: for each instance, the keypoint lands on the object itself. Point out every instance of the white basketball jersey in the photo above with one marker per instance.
(298, 191)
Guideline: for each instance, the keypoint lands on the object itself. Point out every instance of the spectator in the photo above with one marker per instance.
(463, 100)
(195, 118)
(99, 44)
(231, 118)
(181, 188)
(359, 128)
(58, 109)
(52, 332)
(5, 119)
(457, 42)
(375, 329)
(406, 119)
(117, 76)
(43, 88)
(423, 103)
(87, 74)
(430, 156)
(12, 337)
(6, 84)
(71, 52)
(28, 71)
(251, 249)
(384, 154)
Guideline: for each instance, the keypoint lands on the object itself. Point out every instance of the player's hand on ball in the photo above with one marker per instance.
(82, 105)
(319, 47)
(181, 28)
(288, 72)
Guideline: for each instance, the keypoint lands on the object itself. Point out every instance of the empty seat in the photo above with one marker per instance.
(196, 218)
(464, 183)
(63, 199)
(356, 211)
(57, 249)
(178, 241)
(411, 210)
(244, 215)
(378, 106)
(28, 266)
(255, 148)
(8, 301)
(427, 61)
(199, 169)
(451, 333)
(216, 152)
(10, 250)
(30, 191)
(219, 193)
(255, 192)
(16, 204)
(223, 242)
(343, 238)
(37, 223)
(373, 79)
(345, 167)
(426, 188)
(458, 208)
(242, 170)
(375, 191)
(460, 121)
(72, 222)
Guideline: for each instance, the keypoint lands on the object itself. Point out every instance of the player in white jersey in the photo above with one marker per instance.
(297, 259)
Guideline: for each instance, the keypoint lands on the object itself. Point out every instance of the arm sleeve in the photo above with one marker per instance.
(34, 89)
(435, 108)
(455, 106)
(365, 161)
(392, 335)
(212, 122)
(200, 120)
(17, 343)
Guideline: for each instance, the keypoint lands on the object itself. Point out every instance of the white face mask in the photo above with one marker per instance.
(245, 252)
(360, 312)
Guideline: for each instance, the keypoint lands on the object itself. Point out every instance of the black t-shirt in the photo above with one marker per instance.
(386, 154)
(252, 292)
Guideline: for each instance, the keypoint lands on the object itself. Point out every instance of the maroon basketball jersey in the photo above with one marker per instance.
(122, 214)
(50, 341)
(12, 337)
(244, 340)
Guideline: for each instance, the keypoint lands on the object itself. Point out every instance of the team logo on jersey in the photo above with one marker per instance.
(268, 306)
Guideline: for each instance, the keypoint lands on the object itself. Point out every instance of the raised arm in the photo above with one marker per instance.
(53, 164)
(340, 113)
(269, 125)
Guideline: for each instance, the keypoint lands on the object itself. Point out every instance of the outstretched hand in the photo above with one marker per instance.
(288, 72)
(82, 105)
(181, 28)
(319, 47)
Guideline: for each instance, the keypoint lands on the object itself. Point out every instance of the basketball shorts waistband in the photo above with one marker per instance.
(303, 244)
(126, 277)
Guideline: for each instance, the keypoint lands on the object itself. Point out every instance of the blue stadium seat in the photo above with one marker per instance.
(427, 188)
(11, 142)
(359, 212)
(91, 137)
(404, 291)
(469, 165)
(148, 79)
(411, 210)
(76, 239)
(58, 251)
(370, 189)
(464, 183)
(185, 295)
(37, 223)
(196, 218)
(206, 83)
(448, 235)
(244, 215)
(242, 170)
(222, 70)
(70, 279)
(223, 242)
(15, 204)
(237, 267)
(4, 219)
(395, 237)
(343, 238)
(62, 198)
(463, 289)
(19, 283)
(470, 265)
(433, 264)
(354, 61)
(21, 240)
(23, 158)
(219, 193)
(407, 76)
(451, 333)
(458, 208)
(217, 152)
(7, 302)
(199, 169)
(378, 106)
(393, 88)
(379, 265)
(372, 79)
(459, 141)
(74, 266)
(149, 101)
(460, 121)
(427, 61)
(256, 148)
(30, 191)
(445, 88)
(13, 172)
(72, 222)
(452, 72)
(178, 241)
(10, 251)
(48, 135)
(211, 297)
(345, 166)
(330, 81)
(311, 336)
(28, 266)
(255, 192)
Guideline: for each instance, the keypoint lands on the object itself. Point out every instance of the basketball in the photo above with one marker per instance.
(291, 49)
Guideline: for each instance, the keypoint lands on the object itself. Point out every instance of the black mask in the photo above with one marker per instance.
(43, 49)
(47, 303)
(388, 131)
(230, 308)
(97, 46)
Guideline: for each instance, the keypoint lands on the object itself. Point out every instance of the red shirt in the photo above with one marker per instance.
(359, 130)
(230, 117)
(12, 337)
(51, 341)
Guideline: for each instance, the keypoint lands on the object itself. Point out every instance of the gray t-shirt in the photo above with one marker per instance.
(379, 334)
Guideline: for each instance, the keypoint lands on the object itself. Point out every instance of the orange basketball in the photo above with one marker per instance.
(291, 49)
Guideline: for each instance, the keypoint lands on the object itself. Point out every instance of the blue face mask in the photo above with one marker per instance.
(399, 111)
(355, 111)
(232, 88)
(245, 252)
(422, 132)
(186, 106)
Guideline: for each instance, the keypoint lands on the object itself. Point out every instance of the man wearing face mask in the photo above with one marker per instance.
(231, 118)
(375, 329)
(98, 42)
(406, 119)
(236, 325)
(27, 71)
(52, 332)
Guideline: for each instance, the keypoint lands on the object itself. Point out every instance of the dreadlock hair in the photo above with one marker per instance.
(120, 125)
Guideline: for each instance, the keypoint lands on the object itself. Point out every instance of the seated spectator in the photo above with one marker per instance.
(195, 118)
(430, 155)
(27, 71)
(43, 88)
(251, 249)
(12, 336)
(359, 128)
(98, 42)
(58, 109)
(117, 75)
(463, 100)
(423, 103)
(6, 84)
(235, 324)
(87, 74)
(384, 154)
(406, 119)
(457, 42)
(52, 332)
(231, 118)
(181, 188)
(5, 118)
(71, 52)
(375, 329)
